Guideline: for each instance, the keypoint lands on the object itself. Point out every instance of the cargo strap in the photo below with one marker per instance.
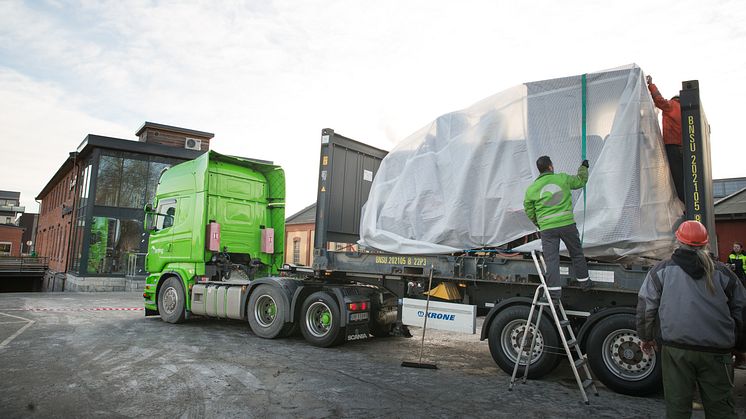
(584, 91)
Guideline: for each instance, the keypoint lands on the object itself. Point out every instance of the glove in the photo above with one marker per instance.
(585, 163)
(649, 346)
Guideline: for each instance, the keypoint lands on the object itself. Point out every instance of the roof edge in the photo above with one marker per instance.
(180, 130)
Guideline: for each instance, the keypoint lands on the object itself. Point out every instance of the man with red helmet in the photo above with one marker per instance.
(698, 305)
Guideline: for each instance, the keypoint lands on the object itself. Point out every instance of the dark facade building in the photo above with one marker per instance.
(91, 213)
(10, 207)
(28, 222)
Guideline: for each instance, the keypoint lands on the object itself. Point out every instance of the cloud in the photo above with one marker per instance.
(41, 125)
(266, 77)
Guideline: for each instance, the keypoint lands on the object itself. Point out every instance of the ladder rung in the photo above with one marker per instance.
(571, 343)
(587, 383)
(580, 362)
(564, 323)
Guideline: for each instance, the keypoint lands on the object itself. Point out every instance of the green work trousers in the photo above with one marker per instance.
(685, 369)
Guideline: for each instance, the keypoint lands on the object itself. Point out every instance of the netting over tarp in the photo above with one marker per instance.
(459, 182)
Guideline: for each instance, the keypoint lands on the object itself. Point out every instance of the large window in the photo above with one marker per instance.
(79, 231)
(128, 182)
(111, 243)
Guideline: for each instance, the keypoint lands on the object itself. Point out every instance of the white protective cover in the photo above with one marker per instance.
(459, 182)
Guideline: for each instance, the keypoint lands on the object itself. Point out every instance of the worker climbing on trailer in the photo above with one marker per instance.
(671, 134)
(697, 304)
(548, 204)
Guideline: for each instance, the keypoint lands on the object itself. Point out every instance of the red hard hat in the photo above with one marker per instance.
(692, 233)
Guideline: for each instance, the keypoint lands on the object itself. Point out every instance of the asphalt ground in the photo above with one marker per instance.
(84, 355)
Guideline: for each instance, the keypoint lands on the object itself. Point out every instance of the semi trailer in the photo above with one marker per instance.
(216, 249)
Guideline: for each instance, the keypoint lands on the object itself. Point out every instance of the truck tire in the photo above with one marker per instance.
(505, 336)
(171, 301)
(616, 359)
(266, 312)
(320, 320)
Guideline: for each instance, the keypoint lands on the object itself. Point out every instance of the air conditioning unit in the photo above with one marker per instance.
(192, 144)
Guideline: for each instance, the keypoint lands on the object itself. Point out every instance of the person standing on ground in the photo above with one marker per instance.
(548, 204)
(697, 304)
(671, 134)
(737, 261)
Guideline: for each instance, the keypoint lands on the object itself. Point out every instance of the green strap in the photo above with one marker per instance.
(584, 89)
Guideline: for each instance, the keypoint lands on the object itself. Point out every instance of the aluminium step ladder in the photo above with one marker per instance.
(563, 327)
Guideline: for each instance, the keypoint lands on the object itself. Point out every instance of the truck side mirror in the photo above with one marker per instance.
(148, 208)
(149, 220)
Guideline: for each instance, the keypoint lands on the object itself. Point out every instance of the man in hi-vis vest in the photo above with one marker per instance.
(548, 204)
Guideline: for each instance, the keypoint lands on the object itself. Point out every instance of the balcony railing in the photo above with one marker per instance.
(23, 265)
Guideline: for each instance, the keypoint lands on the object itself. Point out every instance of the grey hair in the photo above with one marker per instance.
(704, 258)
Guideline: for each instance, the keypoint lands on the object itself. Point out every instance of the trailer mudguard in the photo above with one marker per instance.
(497, 308)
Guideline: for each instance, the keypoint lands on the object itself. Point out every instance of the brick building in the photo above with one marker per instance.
(730, 222)
(10, 240)
(91, 213)
(300, 229)
(299, 235)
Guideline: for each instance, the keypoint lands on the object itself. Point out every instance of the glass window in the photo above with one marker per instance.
(134, 183)
(78, 243)
(296, 251)
(108, 180)
(5, 249)
(112, 241)
(155, 171)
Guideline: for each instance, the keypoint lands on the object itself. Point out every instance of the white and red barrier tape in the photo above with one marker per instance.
(76, 309)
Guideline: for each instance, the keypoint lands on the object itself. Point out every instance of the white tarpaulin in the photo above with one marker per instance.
(459, 182)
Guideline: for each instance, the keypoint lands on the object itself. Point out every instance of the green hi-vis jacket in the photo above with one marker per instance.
(548, 201)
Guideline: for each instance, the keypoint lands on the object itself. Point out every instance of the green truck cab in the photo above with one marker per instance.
(216, 249)
(244, 197)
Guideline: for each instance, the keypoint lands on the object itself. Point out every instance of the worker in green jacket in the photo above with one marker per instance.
(548, 204)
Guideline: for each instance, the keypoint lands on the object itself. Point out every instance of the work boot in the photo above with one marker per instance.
(585, 284)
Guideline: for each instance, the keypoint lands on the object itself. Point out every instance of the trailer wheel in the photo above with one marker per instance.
(615, 356)
(505, 335)
(266, 312)
(320, 324)
(171, 301)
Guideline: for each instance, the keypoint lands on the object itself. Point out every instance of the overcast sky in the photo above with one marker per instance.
(266, 77)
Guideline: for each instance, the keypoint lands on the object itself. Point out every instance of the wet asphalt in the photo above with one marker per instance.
(97, 355)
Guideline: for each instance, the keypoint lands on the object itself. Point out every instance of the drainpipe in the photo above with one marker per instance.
(73, 227)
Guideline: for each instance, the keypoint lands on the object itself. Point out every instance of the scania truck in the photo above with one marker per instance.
(216, 249)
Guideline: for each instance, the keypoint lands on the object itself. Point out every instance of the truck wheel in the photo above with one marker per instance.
(171, 301)
(266, 312)
(320, 324)
(505, 335)
(615, 356)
